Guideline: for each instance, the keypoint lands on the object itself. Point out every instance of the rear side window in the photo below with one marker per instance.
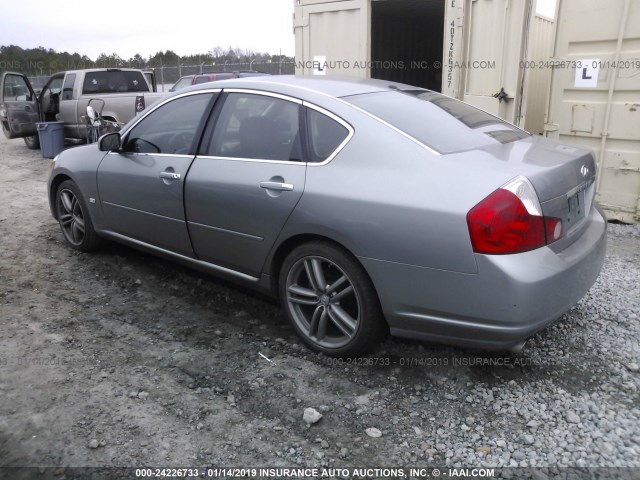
(444, 124)
(171, 128)
(67, 87)
(325, 135)
(114, 81)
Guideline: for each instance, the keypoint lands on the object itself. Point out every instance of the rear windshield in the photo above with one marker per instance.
(114, 81)
(441, 123)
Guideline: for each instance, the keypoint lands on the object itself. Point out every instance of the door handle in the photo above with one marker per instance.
(170, 175)
(287, 187)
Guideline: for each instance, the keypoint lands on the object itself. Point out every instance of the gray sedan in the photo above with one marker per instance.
(366, 206)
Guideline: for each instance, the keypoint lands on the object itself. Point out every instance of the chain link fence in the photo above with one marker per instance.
(166, 75)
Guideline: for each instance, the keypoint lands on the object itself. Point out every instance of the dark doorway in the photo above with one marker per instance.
(406, 41)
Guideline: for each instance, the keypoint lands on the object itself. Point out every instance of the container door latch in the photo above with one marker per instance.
(501, 95)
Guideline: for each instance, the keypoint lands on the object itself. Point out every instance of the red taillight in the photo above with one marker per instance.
(501, 224)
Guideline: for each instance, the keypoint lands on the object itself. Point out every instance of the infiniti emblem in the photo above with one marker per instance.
(584, 170)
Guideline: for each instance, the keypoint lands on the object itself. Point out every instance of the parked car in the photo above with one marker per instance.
(364, 205)
(65, 97)
(189, 80)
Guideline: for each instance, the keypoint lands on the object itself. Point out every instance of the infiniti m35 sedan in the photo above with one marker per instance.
(366, 206)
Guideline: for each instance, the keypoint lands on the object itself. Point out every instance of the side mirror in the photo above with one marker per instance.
(91, 113)
(109, 142)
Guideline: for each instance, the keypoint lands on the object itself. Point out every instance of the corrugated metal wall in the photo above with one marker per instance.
(600, 107)
(495, 37)
(338, 32)
(537, 74)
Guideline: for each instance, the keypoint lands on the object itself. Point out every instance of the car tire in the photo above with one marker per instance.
(32, 142)
(330, 300)
(74, 219)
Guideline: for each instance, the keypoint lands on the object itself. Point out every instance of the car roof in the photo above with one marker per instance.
(301, 84)
(92, 70)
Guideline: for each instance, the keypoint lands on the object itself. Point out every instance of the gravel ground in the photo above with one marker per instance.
(121, 359)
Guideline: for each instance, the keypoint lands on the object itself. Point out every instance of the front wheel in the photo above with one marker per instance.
(330, 300)
(32, 142)
(73, 217)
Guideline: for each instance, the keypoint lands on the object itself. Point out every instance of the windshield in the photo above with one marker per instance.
(444, 124)
(182, 83)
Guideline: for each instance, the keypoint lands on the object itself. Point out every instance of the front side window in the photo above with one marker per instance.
(171, 128)
(325, 135)
(16, 89)
(444, 124)
(55, 85)
(50, 98)
(258, 127)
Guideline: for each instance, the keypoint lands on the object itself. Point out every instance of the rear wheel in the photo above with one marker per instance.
(73, 217)
(330, 300)
(32, 142)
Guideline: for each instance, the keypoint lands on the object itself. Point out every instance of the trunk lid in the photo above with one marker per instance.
(563, 176)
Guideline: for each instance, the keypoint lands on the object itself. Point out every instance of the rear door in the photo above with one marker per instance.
(142, 188)
(19, 110)
(246, 180)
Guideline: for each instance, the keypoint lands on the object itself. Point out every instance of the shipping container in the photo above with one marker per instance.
(523, 60)
(595, 95)
(473, 50)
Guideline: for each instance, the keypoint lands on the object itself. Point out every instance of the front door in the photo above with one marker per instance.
(142, 188)
(18, 106)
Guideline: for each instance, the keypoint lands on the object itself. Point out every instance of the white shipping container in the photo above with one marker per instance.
(469, 49)
(534, 51)
(595, 98)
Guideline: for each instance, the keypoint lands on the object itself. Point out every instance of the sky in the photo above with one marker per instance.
(147, 27)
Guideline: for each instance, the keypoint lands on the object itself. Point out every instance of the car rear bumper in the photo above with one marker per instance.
(508, 300)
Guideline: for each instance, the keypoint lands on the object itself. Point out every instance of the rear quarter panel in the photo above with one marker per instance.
(385, 197)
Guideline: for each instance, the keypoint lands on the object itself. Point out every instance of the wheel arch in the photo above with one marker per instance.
(274, 264)
(373, 326)
(55, 183)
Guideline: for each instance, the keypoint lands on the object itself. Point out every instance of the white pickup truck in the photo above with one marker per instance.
(65, 98)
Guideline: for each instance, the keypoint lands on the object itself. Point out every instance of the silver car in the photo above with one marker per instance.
(366, 206)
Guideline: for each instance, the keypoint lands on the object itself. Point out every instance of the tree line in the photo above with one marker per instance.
(42, 61)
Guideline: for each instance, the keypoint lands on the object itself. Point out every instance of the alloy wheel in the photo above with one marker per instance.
(71, 217)
(323, 302)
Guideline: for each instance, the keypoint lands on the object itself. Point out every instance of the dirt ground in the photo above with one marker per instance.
(120, 359)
